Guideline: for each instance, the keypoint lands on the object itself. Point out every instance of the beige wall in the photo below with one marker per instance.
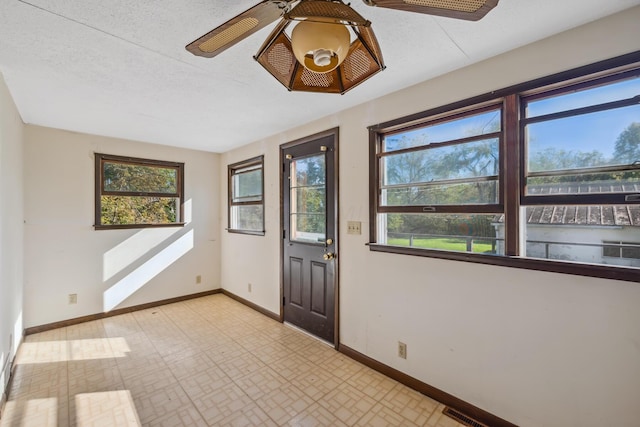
(11, 238)
(536, 348)
(109, 268)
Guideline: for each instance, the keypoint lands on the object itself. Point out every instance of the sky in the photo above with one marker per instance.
(596, 131)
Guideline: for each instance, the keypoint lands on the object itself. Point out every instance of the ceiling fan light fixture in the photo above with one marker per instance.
(320, 46)
(362, 61)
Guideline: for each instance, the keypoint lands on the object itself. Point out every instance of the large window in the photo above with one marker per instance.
(132, 192)
(246, 202)
(545, 175)
(440, 183)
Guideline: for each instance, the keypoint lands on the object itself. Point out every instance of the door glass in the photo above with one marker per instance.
(308, 199)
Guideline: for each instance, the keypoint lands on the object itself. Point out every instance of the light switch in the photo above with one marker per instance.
(354, 227)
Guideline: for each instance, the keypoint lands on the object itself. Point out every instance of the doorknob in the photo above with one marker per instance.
(329, 256)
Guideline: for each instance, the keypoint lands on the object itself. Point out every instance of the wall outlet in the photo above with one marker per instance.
(402, 350)
(249, 287)
(73, 298)
(354, 227)
(198, 279)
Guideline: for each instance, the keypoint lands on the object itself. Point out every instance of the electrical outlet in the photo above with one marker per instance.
(73, 298)
(198, 279)
(354, 227)
(249, 287)
(402, 350)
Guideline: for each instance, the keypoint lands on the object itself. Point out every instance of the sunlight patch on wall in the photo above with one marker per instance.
(17, 332)
(109, 408)
(188, 211)
(3, 378)
(122, 290)
(63, 351)
(126, 253)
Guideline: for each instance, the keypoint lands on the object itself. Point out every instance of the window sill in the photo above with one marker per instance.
(128, 226)
(629, 274)
(249, 232)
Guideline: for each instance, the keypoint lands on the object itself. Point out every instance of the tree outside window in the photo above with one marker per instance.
(133, 192)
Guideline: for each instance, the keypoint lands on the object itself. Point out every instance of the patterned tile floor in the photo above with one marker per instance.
(204, 362)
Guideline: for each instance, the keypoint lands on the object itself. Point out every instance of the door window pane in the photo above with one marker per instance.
(308, 199)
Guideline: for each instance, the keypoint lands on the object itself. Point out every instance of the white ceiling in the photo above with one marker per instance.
(119, 67)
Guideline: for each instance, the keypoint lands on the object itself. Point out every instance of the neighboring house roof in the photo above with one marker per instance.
(582, 188)
(584, 215)
(624, 215)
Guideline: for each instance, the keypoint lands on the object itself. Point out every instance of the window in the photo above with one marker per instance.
(246, 202)
(617, 249)
(133, 192)
(440, 183)
(545, 175)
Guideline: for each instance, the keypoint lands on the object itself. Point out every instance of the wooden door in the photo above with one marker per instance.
(309, 218)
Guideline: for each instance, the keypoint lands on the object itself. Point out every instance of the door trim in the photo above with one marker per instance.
(335, 133)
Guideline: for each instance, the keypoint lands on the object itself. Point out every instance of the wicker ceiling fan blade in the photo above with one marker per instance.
(236, 29)
(471, 10)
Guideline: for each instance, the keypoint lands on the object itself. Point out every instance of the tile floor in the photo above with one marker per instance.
(204, 362)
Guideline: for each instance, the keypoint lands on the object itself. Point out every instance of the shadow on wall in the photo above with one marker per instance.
(142, 257)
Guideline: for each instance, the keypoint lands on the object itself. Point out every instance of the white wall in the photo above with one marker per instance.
(535, 348)
(11, 237)
(109, 268)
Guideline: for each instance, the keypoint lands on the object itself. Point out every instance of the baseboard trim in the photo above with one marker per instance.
(254, 306)
(116, 312)
(424, 388)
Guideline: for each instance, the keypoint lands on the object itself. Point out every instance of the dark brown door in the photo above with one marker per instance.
(309, 234)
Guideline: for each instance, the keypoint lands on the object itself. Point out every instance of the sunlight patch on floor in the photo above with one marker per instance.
(31, 413)
(109, 408)
(66, 350)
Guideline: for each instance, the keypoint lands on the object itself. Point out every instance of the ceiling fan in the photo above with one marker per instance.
(318, 55)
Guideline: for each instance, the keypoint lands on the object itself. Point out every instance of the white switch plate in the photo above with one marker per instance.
(354, 227)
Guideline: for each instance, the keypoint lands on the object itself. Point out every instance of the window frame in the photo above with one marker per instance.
(231, 172)
(101, 159)
(497, 207)
(512, 166)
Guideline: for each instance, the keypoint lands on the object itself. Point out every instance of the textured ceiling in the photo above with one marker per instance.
(119, 67)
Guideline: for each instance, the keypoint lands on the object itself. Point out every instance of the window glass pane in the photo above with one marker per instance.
(121, 210)
(479, 233)
(474, 193)
(472, 125)
(308, 199)
(457, 174)
(576, 144)
(140, 178)
(587, 183)
(605, 138)
(247, 186)
(590, 234)
(592, 96)
(247, 217)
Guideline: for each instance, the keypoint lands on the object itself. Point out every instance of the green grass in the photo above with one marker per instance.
(459, 245)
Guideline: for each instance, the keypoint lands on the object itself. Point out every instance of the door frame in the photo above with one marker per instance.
(334, 132)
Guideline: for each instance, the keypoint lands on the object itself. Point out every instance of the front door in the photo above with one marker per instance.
(309, 233)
